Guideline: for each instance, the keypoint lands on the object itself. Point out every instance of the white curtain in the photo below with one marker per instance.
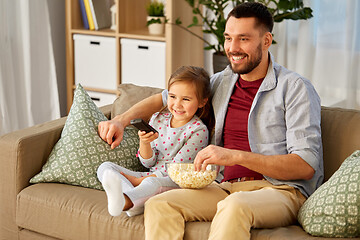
(325, 49)
(28, 84)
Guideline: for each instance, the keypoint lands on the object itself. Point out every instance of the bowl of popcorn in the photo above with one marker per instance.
(185, 175)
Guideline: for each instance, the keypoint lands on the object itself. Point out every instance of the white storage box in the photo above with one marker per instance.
(95, 61)
(102, 99)
(143, 62)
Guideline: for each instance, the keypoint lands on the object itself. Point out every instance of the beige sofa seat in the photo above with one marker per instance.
(46, 207)
(60, 211)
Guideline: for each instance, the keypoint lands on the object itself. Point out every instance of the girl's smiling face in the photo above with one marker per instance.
(183, 103)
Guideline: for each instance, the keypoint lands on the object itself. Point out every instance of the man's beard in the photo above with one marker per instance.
(250, 65)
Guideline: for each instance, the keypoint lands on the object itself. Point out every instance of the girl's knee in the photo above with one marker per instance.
(151, 181)
(105, 165)
(100, 171)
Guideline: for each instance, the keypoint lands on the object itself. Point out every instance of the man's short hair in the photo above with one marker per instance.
(254, 9)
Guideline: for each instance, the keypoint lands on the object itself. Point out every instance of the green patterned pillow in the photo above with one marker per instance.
(79, 152)
(333, 210)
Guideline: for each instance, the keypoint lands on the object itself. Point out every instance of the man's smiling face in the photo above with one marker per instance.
(243, 44)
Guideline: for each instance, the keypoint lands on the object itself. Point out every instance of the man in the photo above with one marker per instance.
(267, 135)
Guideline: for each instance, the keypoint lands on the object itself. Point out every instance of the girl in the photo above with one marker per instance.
(181, 134)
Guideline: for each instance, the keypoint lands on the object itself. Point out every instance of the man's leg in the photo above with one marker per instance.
(262, 207)
(166, 213)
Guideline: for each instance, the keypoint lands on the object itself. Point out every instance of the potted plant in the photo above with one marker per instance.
(156, 17)
(213, 20)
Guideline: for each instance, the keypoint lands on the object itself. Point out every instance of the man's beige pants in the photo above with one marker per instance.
(233, 208)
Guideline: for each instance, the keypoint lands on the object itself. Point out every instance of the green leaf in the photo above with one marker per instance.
(207, 31)
(190, 2)
(209, 4)
(178, 21)
(303, 14)
(152, 21)
(195, 20)
(155, 8)
(194, 23)
(209, 47)
(271, 10)
(196, 11)
(286, 5)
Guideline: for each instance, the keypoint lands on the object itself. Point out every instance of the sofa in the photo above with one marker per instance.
(61, 211)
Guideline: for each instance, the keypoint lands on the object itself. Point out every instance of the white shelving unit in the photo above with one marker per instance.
(93, 49)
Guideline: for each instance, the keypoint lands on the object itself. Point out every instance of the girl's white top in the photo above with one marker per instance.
(178, 145)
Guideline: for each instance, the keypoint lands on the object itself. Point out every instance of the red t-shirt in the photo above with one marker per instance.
(236, 125)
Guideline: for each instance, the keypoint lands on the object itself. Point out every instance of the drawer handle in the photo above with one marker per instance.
(143, 47)
(94, 43)
(95, 99)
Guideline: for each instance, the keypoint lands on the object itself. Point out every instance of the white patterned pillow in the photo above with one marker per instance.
(79, 152)
(333, 210)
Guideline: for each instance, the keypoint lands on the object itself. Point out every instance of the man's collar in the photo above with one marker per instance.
(270, 80)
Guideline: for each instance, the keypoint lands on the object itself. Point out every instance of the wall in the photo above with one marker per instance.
(57, 22)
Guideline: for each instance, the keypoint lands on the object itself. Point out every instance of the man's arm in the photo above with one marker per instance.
(281, 167)
(112, 131)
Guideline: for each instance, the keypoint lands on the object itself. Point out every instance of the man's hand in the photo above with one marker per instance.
(282, 167)
(111, 132)
(213, 155)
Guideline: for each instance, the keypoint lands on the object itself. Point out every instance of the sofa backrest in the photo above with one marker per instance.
(129, 95)
(340, 136)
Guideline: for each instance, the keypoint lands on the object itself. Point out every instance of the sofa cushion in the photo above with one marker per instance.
(333, 210)
(70, 212)
(77, 155)
(129, 95)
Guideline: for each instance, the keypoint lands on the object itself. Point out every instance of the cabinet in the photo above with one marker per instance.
(95, 61)
(181, 47)
(147, 55)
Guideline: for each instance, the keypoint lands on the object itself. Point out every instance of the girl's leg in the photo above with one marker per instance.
(114, 184)
(126, 184)
(149, 187)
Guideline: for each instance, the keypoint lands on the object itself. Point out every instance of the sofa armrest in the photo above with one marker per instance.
(22, 155)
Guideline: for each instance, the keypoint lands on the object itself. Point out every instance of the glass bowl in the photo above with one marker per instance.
(184, 175)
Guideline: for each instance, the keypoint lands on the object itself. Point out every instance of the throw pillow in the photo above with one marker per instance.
(333, 210)
(79, 152)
